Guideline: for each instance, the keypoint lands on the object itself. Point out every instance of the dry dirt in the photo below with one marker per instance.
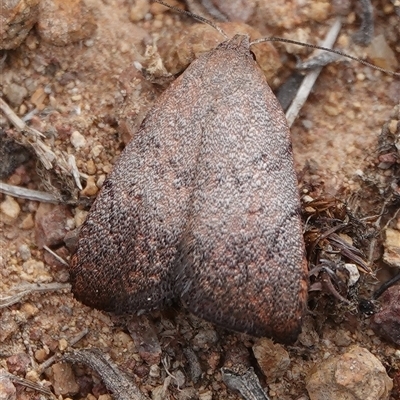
(93, 87)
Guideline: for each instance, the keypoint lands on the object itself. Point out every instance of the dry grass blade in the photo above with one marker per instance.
(115, 380)
(349, 251)
(26, 383)
(56, 256)
(17, 122)
(23, 193)
(18, 292)
(245, 382)
(62, 164)
(311, 77)
(55, 357)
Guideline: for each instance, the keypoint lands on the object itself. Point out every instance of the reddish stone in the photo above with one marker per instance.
(386, 322)
(50, 224)
(18, 363)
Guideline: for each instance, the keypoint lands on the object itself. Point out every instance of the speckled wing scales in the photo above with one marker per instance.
(128, 244)
(242, 260)
(202, 205)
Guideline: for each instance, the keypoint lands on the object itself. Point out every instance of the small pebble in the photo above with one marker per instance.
(96, 150)
(354, 274)
(8, 326)
(205, 339)
(91, 188)
(63, 22)
(10, 210)
(386, 322)
(77, 140)
(18, 364)
(34, 271)
(144, 335)
(63, 380)
(122, 339)
(41, 355)
(342, 338)
(107, 169)
(393, 126)
(154, 371)
(80, 217)
(91, 167)
(32, 375)
(272, 358)
(29, 310)
(105, 397)
(15, 94)
(207, 395)
(332, 111)
(62, 344)
(24, 252)
(391, 245)
(50, 224)
(27, 223)
(381, 54)
(38, 97)
(100, 181)
(354, 375)
(139, 10)
(7, 389)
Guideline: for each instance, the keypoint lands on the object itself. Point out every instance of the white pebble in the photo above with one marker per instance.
(78, 140)
(10, 210)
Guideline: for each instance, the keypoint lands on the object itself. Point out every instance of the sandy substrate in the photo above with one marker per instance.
(93, 100)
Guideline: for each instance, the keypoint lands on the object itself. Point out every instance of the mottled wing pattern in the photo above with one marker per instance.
(242, 261)
(128, 244)
(202, 205)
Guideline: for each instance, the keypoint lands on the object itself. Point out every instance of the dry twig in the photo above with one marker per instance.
(311, 77)
(18, 292)
(245, 382)
(24, 193)
(115, 380)
(61, 164)
(25, 382)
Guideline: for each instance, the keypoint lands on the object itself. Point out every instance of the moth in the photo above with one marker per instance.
(202, 207)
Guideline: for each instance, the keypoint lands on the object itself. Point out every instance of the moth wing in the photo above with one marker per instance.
(242, 263)
(128, 243)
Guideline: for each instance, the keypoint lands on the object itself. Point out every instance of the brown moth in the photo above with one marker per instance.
(202, 206)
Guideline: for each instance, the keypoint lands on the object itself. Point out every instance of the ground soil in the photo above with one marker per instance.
(336, 133)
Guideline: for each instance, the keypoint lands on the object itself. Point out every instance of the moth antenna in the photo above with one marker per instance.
(314, 46)
(189, 14)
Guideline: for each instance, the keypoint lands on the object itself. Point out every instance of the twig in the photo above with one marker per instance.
(61, 164)
(311, 77)
(56, 256)
(246, 383)
(17, 293)
(115, 380)
(378, 292)
(78, 337)
(26, 383)
(374, 241)
(206, 8)
(165, 363)
(24, 193)
(397, 212)
(349, 251)
(74, 171)
(46, 364)
(16, 121)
